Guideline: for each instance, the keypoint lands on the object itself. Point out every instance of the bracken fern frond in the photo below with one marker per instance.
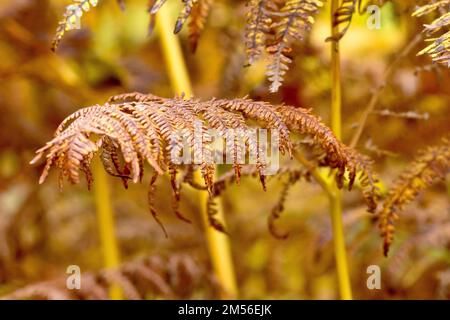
(257, 28)
(429, 166)
(71, 20)
(199, 15)
(178, 276)
(439, 49)
(131, 129)
(290, 24)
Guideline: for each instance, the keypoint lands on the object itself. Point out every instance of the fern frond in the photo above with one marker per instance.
(439, 49)
(415, 250)
(196, 11)
(293, 177)
(258, 28)
(135, 128)
(292, 22)
(268, 29)
(199, 14)
(343, 16)
(429, 166)
(71, 20)
(184, 14)
(177, 276)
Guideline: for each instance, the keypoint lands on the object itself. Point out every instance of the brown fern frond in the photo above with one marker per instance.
(176, 188)
(71, 20)
(156, 5)
(429, 166)
(439, 49)
(188, 177)
(151, 202)
(177, 276)
(184, 14)
(269, 28)
(258, 27)
(367, 179)
(293, 177)
(135, 128)
(431, 237)
(211, 210)
(196, 10)
(110, 157)
(197, 21)
(291, 23)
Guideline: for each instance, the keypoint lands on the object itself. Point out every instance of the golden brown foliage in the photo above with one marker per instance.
(289, 24)
(199, 14)
(429, 166)
(293, 177)
(184, 14)
(270, 27)
(71, 19)
(175, 277)
(135, 128)
(196, 11)
(258, 27)
(439, 49)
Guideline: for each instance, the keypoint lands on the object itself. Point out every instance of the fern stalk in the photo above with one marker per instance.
(105, 217)
(218, 243)
(336, 195)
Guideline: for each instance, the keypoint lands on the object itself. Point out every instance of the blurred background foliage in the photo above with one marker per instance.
(42, 231)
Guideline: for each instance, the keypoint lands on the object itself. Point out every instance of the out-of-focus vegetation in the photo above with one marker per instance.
(43, 231)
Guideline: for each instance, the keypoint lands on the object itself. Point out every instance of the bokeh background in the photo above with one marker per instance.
(42, 230)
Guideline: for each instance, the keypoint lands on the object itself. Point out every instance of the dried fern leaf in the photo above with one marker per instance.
(135, 128)
(71, 20)
(184, 14)
(110, 157)
(428, 167)
(289, 24)
(197, 21)
(177, 276)
(151, 202)
(258, 28)
(293, 177)
(176, 188)
(212, 211)
(439, 49)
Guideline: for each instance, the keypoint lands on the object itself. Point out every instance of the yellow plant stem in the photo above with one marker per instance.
(218, 243)
(105, 217)
(336, 99)
(336, 195)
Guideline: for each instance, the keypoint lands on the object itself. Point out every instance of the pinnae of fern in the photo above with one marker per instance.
(135, 128)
